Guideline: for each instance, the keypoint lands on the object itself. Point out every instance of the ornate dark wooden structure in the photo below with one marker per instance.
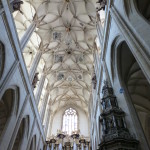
(116, 136)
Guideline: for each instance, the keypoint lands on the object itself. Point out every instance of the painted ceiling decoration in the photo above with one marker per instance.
(66, 36)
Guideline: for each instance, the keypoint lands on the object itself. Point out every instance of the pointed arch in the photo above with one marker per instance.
(33, 143)
(135, 84)
(8, 107)
(117, 40)
(22, 133)
(70, 121)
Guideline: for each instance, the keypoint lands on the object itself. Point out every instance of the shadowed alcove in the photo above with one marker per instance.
(144, 8)
(6, 107)
(136, 83)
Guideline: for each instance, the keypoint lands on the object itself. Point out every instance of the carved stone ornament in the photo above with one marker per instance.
(102, 3)
(94, 81)
(115, 132)
(16, 4)
(35, 80)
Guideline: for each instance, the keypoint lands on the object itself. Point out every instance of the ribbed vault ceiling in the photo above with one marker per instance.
(66, 35)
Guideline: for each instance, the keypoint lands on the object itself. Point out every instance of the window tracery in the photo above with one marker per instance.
(70, 121)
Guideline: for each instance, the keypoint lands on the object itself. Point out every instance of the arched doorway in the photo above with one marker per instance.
(144, 8)
(22, 134)
(6, 108)
(134, 80)
(33, 143)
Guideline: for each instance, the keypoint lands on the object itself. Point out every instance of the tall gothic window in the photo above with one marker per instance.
(70, 120)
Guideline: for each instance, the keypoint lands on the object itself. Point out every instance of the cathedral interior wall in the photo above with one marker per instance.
(112, 40)
(57, 121)
(13, 78)
(125, 23)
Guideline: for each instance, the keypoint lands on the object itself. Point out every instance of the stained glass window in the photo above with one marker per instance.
(70, 120)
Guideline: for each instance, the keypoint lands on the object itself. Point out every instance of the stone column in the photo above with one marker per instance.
(35, 65)
(43, 107)
(100, 37)
(26, 37)
(39, 89)
(47, 120)
(99, 30)
(45, 115)
(106, 72)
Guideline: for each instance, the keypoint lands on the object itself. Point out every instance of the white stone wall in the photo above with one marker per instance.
(15, 76)
(122, 23)
(56, 123)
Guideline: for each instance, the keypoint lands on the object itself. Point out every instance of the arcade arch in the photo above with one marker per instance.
(33, 143)
(8, 106)
(22, 133)
(136, 84)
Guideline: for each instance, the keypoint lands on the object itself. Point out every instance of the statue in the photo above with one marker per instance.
(94, 81)
(97, 16)
(16, 5)
(35, 80)
(102, 4)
